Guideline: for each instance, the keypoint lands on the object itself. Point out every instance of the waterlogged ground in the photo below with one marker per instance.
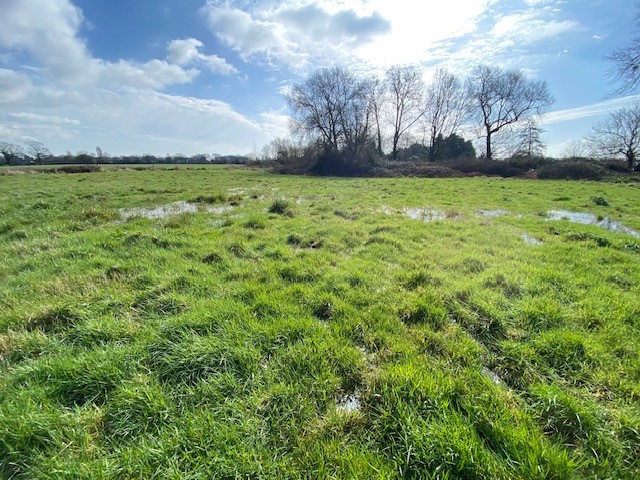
(224, 323)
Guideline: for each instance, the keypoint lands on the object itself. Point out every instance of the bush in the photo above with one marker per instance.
(75, 169)
(526, 162)
(485, 167)
(618, 166)
(413, 169)
(571, 169)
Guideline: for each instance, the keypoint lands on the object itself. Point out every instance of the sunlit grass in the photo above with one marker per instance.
(220, 341)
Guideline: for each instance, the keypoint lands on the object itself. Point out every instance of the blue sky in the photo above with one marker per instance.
(207, 76)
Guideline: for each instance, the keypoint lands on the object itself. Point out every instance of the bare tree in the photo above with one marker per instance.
(37, 150)
(9, 151)
(406, 89)
(625, 69)
(445, 110)
(617, 135)
(332, 107)
(504, 97)
(376, 89)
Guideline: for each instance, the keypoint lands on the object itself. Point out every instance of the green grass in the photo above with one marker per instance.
(220, 341)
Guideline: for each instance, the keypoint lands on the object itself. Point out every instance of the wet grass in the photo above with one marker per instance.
(314, 329)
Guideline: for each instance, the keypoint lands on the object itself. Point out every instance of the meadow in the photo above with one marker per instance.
(223, 323)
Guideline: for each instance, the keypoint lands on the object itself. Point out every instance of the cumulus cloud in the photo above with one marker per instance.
(19, 127)
(155, 74)
(313, 22)
(119, 105)
(13, 86)
(293, 33)
(48, 30)
(141, 121)
(187, 51)
(379, 33)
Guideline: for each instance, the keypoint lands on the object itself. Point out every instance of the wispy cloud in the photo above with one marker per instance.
(587, 111)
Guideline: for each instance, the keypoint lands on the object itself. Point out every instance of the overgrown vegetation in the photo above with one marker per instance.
(227, 323)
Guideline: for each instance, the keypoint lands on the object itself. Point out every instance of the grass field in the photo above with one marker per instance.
(225, 323)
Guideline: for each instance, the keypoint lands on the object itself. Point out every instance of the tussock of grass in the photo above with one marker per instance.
(281, 207)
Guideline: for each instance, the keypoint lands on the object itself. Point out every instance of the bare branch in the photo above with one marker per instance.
(625, 68)
(504, 97)
(406, 90)
(618, 135)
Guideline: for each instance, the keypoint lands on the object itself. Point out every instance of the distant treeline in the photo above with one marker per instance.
(85, 158)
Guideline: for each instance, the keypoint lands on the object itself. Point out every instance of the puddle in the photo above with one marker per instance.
(163, 211)
(491, 213)
(591, 219)
(493, 376)
(529, 240)
(425, 215)
(219, 210)
(387, 210)
(368, 356)
(171, 209)
(349, 403)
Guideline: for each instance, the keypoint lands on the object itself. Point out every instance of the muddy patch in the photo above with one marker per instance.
(591, 219)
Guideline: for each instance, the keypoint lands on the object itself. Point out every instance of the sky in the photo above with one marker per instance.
(208, 76)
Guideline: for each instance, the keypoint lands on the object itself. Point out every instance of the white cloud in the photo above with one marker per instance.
(421, 31)
(19, 127)
(13, 86)
(594, 110)
(293, 33)
(118, 105)
(155, 74)
(276, 124)
(186, 51)
(48, 30)
(530, 27)
(67, 78)
(43, 119)
(140, 121)
(380, 33)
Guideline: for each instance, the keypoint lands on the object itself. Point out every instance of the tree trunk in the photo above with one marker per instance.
(631, 159)
(488, 153)
(394, 152)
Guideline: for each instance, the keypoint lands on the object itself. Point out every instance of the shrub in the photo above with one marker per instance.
(619, 166)
(572, 169)
(75, 169)
(526, 162)
(486, 167)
